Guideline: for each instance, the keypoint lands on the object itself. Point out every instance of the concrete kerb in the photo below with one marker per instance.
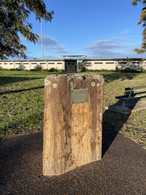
(131, 106)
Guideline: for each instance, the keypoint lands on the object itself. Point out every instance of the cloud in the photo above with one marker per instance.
(112, 43)
(133, 36)
(57, 48)
(51, 57)
(125, 31)
(46, 40)
(111, 48)
(28, 58)
(49, 44)
(34, 57)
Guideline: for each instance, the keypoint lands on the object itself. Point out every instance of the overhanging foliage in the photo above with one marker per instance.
(13, 15)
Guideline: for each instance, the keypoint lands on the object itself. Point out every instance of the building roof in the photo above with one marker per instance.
(74, 56)
(115, 59)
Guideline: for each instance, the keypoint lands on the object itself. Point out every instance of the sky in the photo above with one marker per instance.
(95, 28)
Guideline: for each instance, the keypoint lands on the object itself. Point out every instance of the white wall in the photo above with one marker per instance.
(110, 64)
(31, 64)
(132, 64)
(98, 65)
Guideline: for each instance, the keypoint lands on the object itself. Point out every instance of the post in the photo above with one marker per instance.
(42, 40)
(98, 54)
(116, 52)
(72, 121)
(123, 103)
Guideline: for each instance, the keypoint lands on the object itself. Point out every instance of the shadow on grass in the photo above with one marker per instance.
(31, 76)
(7, 80)
(109, 77)
(21, 90)
(119, 76)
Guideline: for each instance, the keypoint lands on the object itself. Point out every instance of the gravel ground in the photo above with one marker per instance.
(121, 171)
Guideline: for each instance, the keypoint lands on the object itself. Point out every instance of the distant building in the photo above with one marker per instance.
(70, 65)
(111, 64)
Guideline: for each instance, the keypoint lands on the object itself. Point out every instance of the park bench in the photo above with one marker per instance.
(132, 93)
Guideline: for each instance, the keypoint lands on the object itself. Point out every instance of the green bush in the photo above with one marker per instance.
(38, 68)
(101, 70)
(105, 70)
(143, 70)
(83, 69)
(18, 69)
(61, 70)
(45, 70)
(128, 70)
(15, 69)
(52, 70)
(117, 69)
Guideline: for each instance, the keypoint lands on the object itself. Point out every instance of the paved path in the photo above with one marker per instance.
(121, 171)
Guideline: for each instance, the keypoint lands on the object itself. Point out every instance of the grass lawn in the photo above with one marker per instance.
(22, 103)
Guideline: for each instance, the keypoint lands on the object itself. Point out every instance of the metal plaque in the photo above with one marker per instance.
(79, 96)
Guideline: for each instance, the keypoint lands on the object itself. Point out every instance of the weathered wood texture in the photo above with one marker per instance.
(72, 132)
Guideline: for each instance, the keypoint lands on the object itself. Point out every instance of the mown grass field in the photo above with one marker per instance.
(22, 103)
